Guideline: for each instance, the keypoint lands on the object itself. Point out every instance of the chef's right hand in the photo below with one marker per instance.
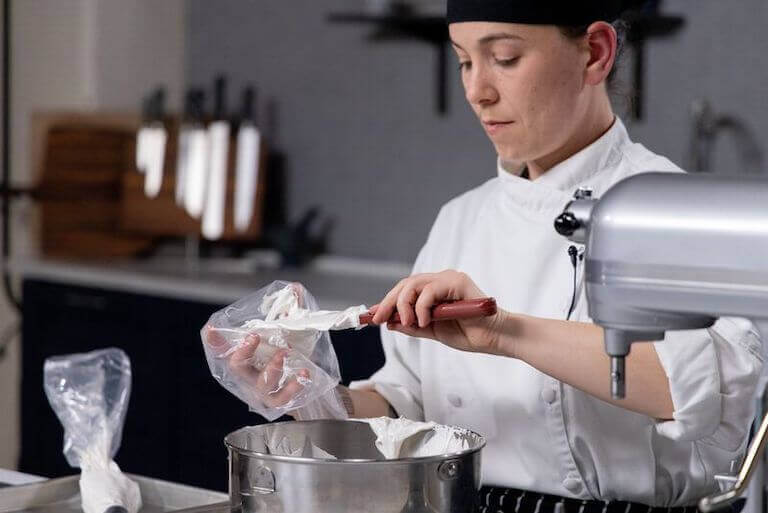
(264, 384)
(414, 297)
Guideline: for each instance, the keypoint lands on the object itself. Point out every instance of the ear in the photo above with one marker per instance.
(602, 43)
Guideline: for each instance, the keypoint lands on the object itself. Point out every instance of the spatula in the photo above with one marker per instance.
(450, 310)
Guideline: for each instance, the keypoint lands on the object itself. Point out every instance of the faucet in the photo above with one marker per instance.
(708, 126)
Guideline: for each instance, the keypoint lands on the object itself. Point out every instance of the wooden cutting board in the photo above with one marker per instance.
(81, 166)
(92, 197)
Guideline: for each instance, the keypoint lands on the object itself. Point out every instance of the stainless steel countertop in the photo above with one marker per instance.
(62, 495)
(336, 283)
(15, 478)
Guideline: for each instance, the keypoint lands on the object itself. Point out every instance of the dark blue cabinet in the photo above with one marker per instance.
(178, 415)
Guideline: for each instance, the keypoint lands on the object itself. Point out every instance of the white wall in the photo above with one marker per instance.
(91, 54)
(139, 45)
(50, 66)
(78, 55)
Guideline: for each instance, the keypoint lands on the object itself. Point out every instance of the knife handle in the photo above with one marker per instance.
(450, 310)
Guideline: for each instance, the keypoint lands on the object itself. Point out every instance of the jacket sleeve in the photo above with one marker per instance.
(399, 380)
(713, 375)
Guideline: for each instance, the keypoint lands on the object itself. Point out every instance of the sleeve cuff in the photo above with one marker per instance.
(712, 378)
(690, 363)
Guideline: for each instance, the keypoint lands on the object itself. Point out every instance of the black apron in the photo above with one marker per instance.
(493, 499)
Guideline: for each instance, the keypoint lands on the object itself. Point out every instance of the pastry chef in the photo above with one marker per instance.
(532, 379)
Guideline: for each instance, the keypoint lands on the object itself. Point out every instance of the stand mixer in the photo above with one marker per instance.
(669, 251)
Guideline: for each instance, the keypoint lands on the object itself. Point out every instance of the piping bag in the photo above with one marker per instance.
(89, 393)
(278, 337)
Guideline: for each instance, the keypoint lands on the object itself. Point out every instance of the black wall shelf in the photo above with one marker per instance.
(644, 26)
(402, 23)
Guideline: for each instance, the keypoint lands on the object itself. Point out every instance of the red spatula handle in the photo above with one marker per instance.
(450, 310)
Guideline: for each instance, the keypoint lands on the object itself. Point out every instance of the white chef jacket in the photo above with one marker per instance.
(544, 435)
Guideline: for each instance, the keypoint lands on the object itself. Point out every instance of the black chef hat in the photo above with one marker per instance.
(538, 12)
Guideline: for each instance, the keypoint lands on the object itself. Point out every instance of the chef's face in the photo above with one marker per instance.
(526, 83)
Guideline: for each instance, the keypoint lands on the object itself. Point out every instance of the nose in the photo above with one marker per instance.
(479, 88)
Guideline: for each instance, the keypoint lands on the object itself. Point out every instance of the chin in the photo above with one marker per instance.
(509, 153)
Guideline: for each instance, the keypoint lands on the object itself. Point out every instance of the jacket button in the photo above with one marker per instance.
(548, 395)
(572, 484)
(455, 400)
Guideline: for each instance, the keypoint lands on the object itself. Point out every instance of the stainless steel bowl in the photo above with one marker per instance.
(360, 480)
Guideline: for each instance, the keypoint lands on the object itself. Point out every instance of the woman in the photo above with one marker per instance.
(532, 382)
(532, 378)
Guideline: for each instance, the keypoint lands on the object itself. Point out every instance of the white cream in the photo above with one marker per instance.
(102, 484)
(287, 325)
(304, 449)
(404, 438)
(281, 310)
(395, 439)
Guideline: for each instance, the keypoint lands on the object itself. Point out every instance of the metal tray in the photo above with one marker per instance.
(62, 495)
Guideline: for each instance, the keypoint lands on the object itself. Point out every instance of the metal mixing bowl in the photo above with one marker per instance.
(360, 480)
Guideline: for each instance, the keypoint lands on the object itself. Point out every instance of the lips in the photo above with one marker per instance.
(493, 126)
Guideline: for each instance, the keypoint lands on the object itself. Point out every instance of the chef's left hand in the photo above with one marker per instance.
(414, 297)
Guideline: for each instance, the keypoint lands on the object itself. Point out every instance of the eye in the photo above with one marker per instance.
(464, 65)
(506, 63)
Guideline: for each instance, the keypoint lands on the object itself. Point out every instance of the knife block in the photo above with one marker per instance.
(91, 197)
(161, 216)
(79, 160)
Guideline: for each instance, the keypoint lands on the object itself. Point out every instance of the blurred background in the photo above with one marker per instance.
(361, 134)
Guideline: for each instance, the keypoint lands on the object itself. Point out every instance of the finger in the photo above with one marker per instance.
(298, 290)
(241, 361)
(303, 374)
(291, 389)
(285, 395)
(242, 355)
(387, 305)
(386, 308)
(412, 331)
(425, 302)
(214, 339)
(461, 286)
(270, 376)
(405, 302)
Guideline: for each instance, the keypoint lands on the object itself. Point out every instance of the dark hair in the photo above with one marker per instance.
(616, 89)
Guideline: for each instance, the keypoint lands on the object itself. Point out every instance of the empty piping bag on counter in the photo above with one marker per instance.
(89, 393)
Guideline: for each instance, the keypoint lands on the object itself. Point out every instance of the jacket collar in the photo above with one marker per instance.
(580, 166)
(553, 189)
